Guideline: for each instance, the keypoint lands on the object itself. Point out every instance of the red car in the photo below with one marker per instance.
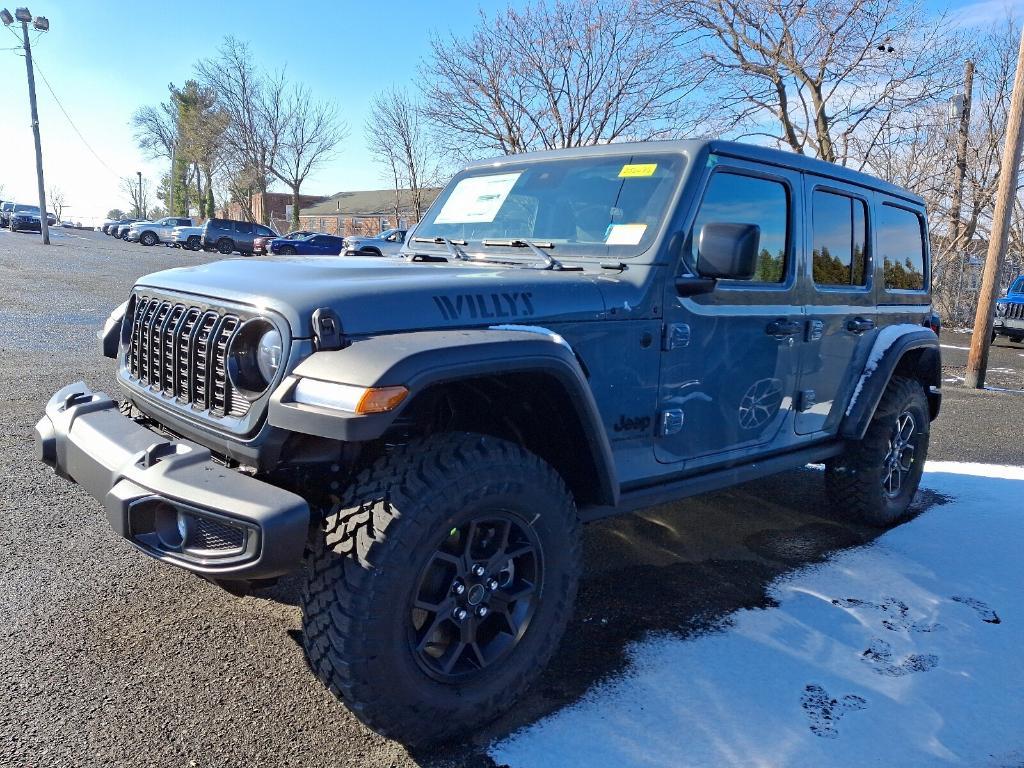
(259, 244)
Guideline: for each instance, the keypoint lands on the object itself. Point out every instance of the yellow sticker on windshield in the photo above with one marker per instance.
(641, 169)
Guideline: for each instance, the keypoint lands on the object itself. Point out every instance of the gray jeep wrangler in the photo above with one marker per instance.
(567, 335)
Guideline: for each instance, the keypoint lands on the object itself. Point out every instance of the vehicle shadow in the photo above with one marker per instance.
(682, 569)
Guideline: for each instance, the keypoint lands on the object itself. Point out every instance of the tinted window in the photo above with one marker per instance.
(901, 245)
(243, 227)
(184, 222)
(734, 199)
(839, 237)
(264, 232)
(20, 208)
(1018, 285)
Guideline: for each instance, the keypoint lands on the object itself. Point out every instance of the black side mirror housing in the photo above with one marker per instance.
(728, 251)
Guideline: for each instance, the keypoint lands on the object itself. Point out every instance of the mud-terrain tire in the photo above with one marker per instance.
(874, 480)
(379, 549)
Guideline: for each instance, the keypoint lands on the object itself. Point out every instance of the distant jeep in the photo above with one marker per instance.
(567, 335)
(1009, 319)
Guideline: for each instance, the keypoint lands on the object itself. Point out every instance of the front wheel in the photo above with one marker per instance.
(1017, 339)
(441, 584)
(875, 479)
(148, 238)
(286, 250)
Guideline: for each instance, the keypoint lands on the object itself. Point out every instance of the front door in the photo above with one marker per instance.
(841, 304)
(730, 357)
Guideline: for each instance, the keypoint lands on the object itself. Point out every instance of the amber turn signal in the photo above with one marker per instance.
(381, 399)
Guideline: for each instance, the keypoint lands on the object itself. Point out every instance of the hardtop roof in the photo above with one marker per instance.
(737, 149)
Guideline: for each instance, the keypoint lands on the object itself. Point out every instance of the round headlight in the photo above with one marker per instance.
(254, 357)
(268, 354)
(1000, 309)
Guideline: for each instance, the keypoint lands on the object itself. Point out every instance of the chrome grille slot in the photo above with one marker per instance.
(180, 351)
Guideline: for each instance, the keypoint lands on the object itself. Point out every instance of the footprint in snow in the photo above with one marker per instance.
(824, 712)
(879, 657)
(984, 612)
(897, 611)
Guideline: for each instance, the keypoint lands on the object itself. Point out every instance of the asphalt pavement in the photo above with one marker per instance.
(110, 658)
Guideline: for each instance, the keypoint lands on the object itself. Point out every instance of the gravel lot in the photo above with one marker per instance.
(109, 658)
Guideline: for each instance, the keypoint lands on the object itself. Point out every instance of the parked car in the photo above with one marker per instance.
(189, 238)
(387, 243)
(227, 236)
(259, 245)
(26, 218)
(577, 333)
(1009, 319)
(113, 227)
(310, 245)
(6, 207)
(153, 232)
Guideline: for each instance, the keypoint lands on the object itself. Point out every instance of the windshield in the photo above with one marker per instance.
(588, 206)
(1018, 285)
(26, 208)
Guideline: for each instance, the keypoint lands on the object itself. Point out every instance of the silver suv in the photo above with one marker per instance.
(159, 231)
(387, 243)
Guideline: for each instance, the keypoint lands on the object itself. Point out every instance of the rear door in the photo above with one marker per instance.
(839, 286)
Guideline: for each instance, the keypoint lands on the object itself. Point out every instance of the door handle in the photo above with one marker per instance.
(783, 327)
(859, 325)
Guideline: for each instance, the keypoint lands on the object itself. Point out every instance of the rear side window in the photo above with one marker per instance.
(839, 226)
(243, 227)
(732, 198)
(901, 245)
(263, 232)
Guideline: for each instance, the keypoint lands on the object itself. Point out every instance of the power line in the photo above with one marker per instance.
(72, 123)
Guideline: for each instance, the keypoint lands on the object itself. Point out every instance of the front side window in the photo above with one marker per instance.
(592, 205)
(901, 245)
(733, 198)
(839, 225)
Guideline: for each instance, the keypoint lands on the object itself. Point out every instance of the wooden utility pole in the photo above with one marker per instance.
(1009, 170)
(44, 223)
(961, 251)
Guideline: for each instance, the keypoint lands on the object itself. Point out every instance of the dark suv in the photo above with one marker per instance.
(227, 235)
(567, 335)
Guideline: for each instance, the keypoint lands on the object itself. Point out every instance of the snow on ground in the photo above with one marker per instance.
(905, 652)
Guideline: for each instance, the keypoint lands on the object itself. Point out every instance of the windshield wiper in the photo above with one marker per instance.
(550, 262)
(452, 245)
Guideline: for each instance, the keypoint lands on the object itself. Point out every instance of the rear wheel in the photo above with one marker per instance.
(193, 243)
(875, 479)
(440, 585)
(225, 246)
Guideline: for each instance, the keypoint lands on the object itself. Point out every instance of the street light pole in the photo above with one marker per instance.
(1009, 170)
(42, 24)
(142, 213)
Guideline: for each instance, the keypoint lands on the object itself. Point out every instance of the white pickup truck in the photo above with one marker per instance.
(189, 238)
(159, 231)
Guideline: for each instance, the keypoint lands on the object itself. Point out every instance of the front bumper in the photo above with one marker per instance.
(27, 224)
(168, 497)
(1008, 325)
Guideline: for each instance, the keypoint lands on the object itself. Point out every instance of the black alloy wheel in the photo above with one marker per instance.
(476, 596)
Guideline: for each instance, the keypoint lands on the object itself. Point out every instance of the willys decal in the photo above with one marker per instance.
(484, 306)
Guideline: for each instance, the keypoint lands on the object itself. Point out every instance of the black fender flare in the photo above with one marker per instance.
(425, 358)
(891, 345)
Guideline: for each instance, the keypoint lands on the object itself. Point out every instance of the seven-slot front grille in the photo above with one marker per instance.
(1015, 311)
(181, 351)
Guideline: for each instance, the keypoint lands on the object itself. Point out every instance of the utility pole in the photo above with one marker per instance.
(42, 24)
(961, 253)
(1009, 171)
(170, 191)
(142, 213)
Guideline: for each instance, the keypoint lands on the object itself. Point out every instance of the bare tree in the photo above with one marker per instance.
(55, 200)
(252, 102)
(555, 74)
(307, 134)
(399, 141)
(156, 129)
(820, 77)
(137, 192)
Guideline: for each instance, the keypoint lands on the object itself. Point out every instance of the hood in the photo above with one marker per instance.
(374, 295)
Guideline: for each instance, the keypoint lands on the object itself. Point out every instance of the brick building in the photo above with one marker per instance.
(362, 213)
(274, 204)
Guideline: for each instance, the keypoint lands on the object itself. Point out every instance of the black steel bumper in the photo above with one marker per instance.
(168, 497)
(1008, 325)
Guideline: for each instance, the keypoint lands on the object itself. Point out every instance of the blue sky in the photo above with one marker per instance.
(105, 59)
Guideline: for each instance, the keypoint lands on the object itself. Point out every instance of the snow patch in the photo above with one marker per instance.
(902, 652)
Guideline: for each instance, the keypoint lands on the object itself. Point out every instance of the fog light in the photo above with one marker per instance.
(172, 526)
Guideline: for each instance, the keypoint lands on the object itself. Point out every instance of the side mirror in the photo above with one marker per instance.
(728, 251)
